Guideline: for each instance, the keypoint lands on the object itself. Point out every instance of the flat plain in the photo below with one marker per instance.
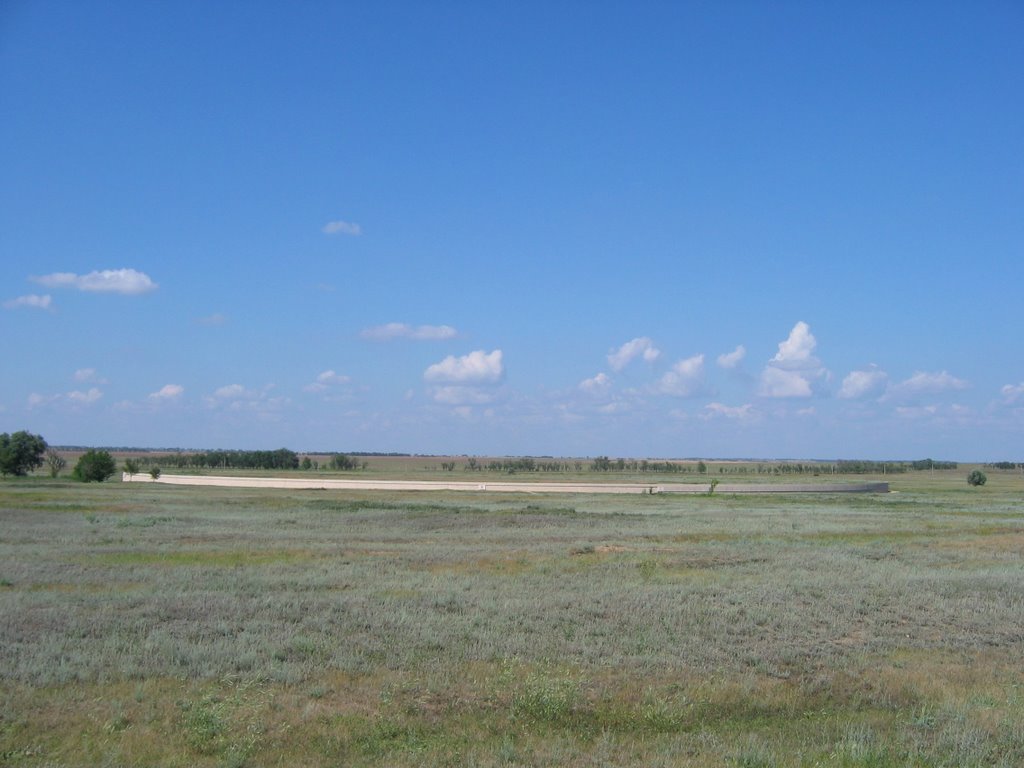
(168, 625)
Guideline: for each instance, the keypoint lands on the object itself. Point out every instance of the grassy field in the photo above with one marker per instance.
(163, 625)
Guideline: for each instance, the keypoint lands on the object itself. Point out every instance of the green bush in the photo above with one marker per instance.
(976, 478)
(94, 466)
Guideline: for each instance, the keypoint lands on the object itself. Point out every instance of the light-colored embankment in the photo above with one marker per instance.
(315, 483)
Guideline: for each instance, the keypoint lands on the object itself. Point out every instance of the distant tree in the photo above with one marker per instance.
(307, 463)
(94, 466)
(131, 466)
(21, 453)
(155, 473)
(342, 461)
(55, 462)
(702, 468)
(976, 478)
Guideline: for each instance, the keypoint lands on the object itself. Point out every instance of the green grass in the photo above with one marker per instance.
(147, 624)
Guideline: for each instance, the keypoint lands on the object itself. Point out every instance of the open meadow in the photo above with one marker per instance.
(145, 624)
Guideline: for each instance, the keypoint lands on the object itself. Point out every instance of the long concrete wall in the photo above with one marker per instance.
(314, 483)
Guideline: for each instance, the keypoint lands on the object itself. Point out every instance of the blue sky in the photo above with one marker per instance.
(637, 229)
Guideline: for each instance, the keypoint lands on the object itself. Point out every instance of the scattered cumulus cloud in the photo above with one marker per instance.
(797, 351)
(87, 374)
(75, 397)
(327, 380)
(596, 385)
(35, 399)
(737, 412)
(235, 397)
(167, 393)
(477, 367)
(31, 301)
(466, 381)
(867, 383)
(730, 360)
(391, 331)
(794, 368)
(342, 228)
(124, 281)
(85, 398)
(777, 382)
(229, 391)
(927, 383)
(639, 347)
(1012, 392)
(686, 378)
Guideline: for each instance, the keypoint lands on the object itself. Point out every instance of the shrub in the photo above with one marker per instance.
(55, 462)
(94, 466)
(155, 473)
(976, 478)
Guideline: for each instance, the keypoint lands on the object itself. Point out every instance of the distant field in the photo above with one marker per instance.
(164, 625)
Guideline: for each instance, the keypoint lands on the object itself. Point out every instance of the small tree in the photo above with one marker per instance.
(55, 462)
(155, 473)
(94, 466)
(131, 466)
(976, 478)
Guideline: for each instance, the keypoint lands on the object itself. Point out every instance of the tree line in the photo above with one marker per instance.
(282, 458)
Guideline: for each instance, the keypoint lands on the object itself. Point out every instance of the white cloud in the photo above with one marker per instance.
(124, 281)
(642, 346)
(1012, 392)
(31, 300)
(867, 383)
(167, 392)
(330, 377)
(230, 391)
(796, 352)
(75, 397)
(730, 360)
(391, 331)
(793, 369)
(776, 382)
(85, 398)
(85, 374)
(686, 378)
(926, 383)
(326, 380)
(235, 397)
(739, 412)
(342, 228)
(596, 385)
(477, 367)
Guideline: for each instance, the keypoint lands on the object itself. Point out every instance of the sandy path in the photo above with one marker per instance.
(315, 483)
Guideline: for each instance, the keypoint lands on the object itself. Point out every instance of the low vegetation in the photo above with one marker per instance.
(146, 624)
